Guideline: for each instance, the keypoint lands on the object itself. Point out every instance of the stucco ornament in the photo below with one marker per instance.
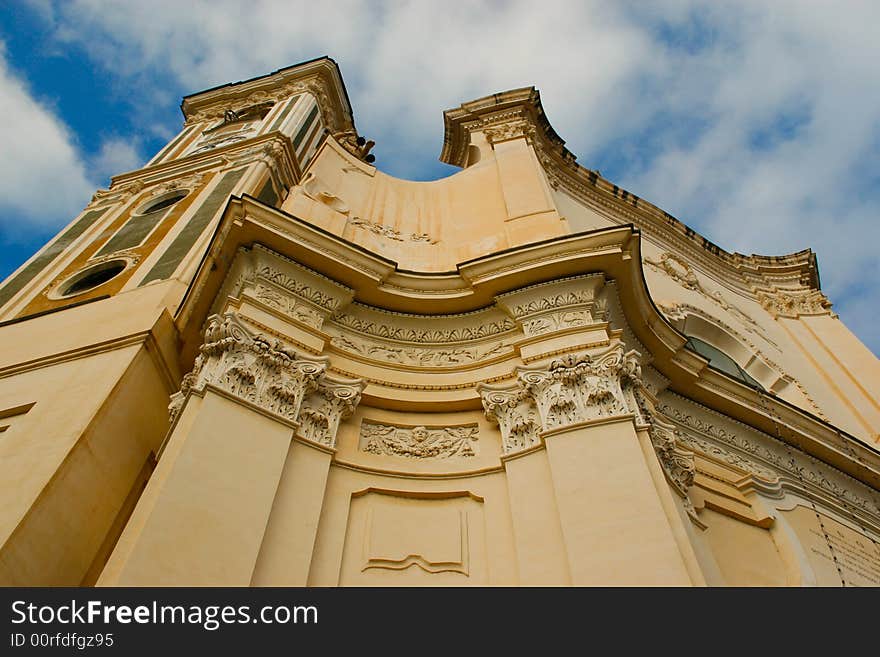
(251, 367)
(575, 389)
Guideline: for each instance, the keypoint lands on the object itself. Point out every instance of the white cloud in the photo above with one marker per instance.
(41, 174)
(116, 156)
(683, 100)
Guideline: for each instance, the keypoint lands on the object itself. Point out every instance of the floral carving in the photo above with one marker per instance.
(419, 356)
(514, 411)
(766, 458)
(251, 367)
(333, 401)
(432, 335)
(678, 464)
(681, 272)
(317, 297)
(289, 305)
(556, 321)
(573, 389)
(420, 442)
(793, 303)
(509, 130)
(578, 388)
(391, 233)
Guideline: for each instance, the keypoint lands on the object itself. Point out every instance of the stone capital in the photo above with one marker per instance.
(261, 371)
(325, 407)
(794, 303)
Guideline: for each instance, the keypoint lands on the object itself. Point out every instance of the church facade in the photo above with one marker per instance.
(260, 361)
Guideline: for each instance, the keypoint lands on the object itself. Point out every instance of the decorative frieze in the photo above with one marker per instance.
(258, 370)
(295, 291)
(429, 329)
(419, 442)
(794, 303)
(441, 356)
(557, 305)
(764, 456)
(572, 390)
(391, 233)
(333, 401)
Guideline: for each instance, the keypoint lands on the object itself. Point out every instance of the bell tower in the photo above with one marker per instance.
(87, 324)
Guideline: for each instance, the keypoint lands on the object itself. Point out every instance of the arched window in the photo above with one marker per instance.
(721, 361)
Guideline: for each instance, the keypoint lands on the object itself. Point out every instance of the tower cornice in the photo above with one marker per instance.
(320, 77)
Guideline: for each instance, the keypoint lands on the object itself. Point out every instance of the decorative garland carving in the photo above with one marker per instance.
(300, 289)
(391, 233)
(557, 321)
(420, 442)
(419, 357)
(682, 273)
(288, 305)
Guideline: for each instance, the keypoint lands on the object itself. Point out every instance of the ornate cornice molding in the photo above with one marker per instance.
(320, 78)
(768, 459)
(274, 150)
(500, 117)
(295, 291)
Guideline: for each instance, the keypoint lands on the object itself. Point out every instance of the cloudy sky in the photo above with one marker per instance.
(756, 123)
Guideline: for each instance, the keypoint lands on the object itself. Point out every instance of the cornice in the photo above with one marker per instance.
(320, 77)
(519, 113)
(273, 146)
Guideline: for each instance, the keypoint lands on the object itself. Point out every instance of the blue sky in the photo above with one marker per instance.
(756, 123)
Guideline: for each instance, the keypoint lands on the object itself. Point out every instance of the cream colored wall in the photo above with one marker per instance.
(500, 202)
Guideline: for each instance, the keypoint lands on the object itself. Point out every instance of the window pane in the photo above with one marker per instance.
(721, 361)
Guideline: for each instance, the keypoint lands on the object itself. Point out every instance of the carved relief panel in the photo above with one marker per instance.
(419, 442)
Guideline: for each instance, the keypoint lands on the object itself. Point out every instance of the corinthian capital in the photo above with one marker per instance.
(252, 367)
(323, 410)
(794, 303)
(583, 387)
(513, 409)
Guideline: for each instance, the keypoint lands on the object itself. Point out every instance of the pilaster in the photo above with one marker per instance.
(582, 409)
(203, 516)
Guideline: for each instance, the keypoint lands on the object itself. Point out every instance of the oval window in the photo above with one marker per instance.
(166, 202)
(93, 277)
